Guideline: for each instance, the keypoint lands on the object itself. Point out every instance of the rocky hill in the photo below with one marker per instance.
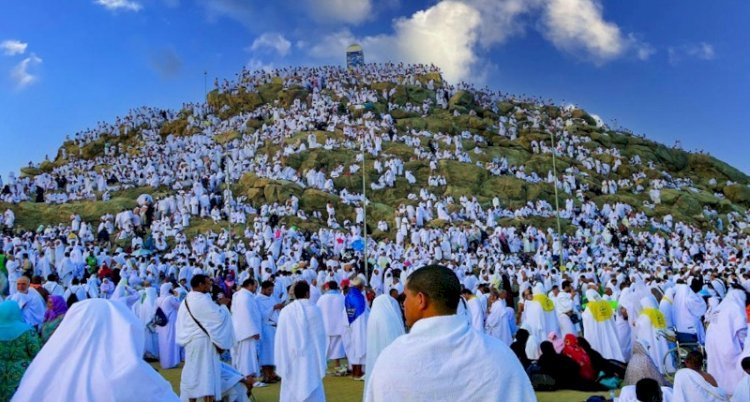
(484, 145)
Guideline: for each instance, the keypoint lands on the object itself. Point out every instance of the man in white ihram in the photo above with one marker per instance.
(202, 328)
(247, 325)
(300, 349)
(30, 301)
(331, 306)
(442, 358)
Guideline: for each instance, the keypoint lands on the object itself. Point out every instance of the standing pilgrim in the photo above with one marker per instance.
(540, 316)
(474, 311)
(269, 314)
(648, 331)
(170, 353)
(386, 323)
(203, 329)
(688, 309)
(145, 309)
(440, 338)
(300, 349)
(501, 318)
(564, 304)
(599, 327)
(355, 336)
(331, 305)
(724, 341)
(247, 328)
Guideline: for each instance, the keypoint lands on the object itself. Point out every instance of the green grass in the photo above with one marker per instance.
(29, 215)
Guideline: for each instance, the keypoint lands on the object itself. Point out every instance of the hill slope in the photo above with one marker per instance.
(268, 130)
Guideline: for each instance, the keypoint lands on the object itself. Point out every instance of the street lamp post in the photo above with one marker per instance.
(557, 201)
(364, 206)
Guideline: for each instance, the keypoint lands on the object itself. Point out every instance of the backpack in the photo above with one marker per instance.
(160, 319)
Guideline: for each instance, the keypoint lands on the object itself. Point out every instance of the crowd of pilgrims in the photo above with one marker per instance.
(614, 308)
(183, 164)
(593, 310)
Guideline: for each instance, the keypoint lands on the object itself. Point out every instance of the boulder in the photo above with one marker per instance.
(462, 101)
(738, 193)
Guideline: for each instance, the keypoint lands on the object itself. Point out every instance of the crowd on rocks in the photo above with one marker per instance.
(594, 309)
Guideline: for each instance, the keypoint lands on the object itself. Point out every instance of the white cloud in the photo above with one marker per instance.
(346, 11)
(274, 41)
(444, 34)
(13, 47)
(450, 33)
(502, 19)
(643, 50)
(701, 51)
(578, 27)
(119, 5)
(21, 74)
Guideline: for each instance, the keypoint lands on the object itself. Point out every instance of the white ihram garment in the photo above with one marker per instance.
(246, 321)
(108, 367)
(201, 375)
(725, 339)
(385, 324)
(447, 345)
(300, 351)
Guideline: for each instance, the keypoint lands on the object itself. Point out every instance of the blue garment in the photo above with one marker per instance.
(354, 303)
(12, 324)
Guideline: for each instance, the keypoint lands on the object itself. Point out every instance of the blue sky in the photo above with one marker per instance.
(673, 70)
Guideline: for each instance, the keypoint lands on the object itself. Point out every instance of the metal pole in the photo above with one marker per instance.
(557, 201)
(364, 207)
(205, 84)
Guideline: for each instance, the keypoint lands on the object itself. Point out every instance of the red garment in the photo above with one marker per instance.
(104, 271)
(579, 355)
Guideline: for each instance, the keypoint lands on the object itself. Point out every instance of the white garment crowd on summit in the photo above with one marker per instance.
(614, 248)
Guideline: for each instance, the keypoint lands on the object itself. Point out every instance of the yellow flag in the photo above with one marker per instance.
(600, 310)
(546, 303)
(656, 317)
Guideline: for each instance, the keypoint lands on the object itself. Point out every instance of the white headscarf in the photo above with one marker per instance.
(538, 289)
(384, 325)
(165, 289)
(106, 366)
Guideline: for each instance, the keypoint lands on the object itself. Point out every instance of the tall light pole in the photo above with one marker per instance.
(557, 201)
(205, 84)
(364, 206)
